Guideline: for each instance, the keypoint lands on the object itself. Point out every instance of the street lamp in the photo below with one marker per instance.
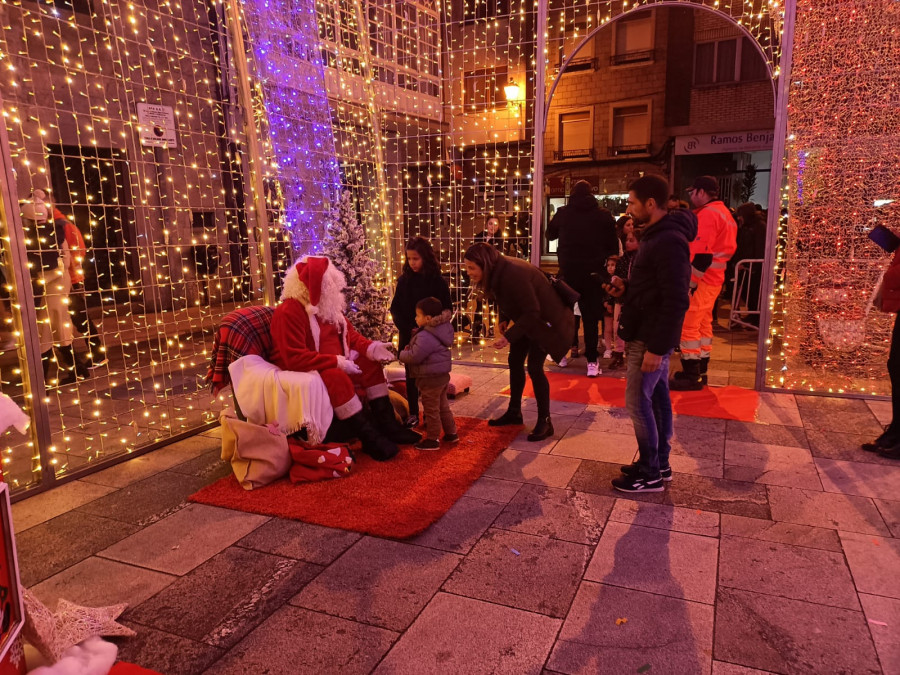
(513, 97)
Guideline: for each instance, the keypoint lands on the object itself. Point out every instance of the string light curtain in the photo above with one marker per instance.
(124, 117)
(842, 179)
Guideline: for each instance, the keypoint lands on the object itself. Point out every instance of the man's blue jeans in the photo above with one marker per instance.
(648, 403)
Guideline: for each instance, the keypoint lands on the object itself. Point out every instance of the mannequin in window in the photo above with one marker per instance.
(49, 258)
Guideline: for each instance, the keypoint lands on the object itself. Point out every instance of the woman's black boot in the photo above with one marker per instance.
(387, 422)
(374, 444)
(542, 430)
(509, 418)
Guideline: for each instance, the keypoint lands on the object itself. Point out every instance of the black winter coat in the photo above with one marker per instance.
(587, 237)
(525, 297)
(410, 289)
(658, 291)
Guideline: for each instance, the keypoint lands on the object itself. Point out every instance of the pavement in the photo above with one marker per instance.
(775, 549)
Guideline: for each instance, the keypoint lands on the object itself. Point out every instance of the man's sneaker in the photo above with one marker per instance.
(427, 444)
(633, 470)
(637, 484)
(451, 438)
(607, 354)
(563, 362)
(593, 369)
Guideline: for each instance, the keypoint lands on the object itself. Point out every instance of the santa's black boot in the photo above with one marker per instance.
(374, 444)
(388, 424)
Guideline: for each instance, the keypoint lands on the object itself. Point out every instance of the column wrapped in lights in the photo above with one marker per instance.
(843, 150)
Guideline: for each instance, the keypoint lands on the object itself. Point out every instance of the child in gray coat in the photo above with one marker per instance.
(428, 358)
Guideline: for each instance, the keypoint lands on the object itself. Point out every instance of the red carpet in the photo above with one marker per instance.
(396, 499)
(727, 403)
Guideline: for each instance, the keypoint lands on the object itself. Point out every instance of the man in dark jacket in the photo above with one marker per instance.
(655, 300)
(587, 237)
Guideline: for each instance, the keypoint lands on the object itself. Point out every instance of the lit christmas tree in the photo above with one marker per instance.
(368, 300)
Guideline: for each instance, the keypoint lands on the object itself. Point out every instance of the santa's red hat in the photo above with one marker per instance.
(303, 281)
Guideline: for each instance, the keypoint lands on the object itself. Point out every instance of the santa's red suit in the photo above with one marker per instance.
(309, 332)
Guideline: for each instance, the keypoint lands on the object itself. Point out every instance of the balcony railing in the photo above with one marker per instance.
(584, 153)
(631, 57)
(626, 150)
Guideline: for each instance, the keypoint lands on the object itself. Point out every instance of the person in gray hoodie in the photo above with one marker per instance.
(429, 361)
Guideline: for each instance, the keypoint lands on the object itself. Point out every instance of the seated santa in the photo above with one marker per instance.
(310, 333)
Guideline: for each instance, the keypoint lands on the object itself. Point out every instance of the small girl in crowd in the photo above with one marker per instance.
(629, 245)
(428, 360)
(421, 279)
(611, 314)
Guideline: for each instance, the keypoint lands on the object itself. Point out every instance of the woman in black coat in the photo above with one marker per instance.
(534, 322)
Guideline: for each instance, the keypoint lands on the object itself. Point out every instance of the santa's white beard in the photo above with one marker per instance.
(332, 303)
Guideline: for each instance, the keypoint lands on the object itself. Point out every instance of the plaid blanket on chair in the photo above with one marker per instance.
(242, 332)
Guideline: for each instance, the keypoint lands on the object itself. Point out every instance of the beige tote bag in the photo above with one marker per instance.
(258, 454)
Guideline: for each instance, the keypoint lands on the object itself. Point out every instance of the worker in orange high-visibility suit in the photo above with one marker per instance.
(710, 252)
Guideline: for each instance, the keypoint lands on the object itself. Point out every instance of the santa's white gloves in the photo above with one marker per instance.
(380, 352)
(348, 366)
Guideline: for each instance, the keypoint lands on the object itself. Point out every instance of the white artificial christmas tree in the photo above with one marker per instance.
(368, 300)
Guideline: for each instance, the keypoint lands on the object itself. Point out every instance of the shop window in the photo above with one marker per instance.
(483, 89)
(630, 130)
(633, 38)
(576, 135)
(727, 62)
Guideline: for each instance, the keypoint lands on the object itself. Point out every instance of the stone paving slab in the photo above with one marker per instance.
(527, 467)
(97, 582)
(226, 597)
(602, 419)
(164, 652)
(825, 509)
(666, 517)
(295, 641)
(153, 462)
(493, 490)
(147, 500)
(669, 563)
(890, 511)
(667, 634)
(722, 668)
(462, 526)
(770, 434)
(462, 635)
(186, 539)
(208, 466)
(769, 464)
(698, 444)
(783, 533)
(689, 423)
(537, 574)
(379, 582)
(883, 617)
(597, 446)
(557, 513)
(844, 422)
(791, 636)
(856, 478)
(51, 547)
(303, 541)
(787, 571)
(874, 562)
(47, 505)
(833, 445)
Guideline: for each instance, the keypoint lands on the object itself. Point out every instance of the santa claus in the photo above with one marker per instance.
(310, 333)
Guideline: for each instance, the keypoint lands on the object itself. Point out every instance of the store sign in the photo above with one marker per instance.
(726, 142)
(157, 125)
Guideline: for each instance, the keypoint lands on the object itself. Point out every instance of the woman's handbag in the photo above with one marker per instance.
(566, 293)
(258, 454)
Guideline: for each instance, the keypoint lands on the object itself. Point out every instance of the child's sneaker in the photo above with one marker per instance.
(593, 369)
(427, 444)
(563, 362)
(607, 354)
(411, 422)
(451, 438)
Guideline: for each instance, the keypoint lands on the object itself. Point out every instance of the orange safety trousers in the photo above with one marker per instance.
(697, 330)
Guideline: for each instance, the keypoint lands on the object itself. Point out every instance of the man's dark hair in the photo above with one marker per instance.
(430, 307)
(649, 186)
